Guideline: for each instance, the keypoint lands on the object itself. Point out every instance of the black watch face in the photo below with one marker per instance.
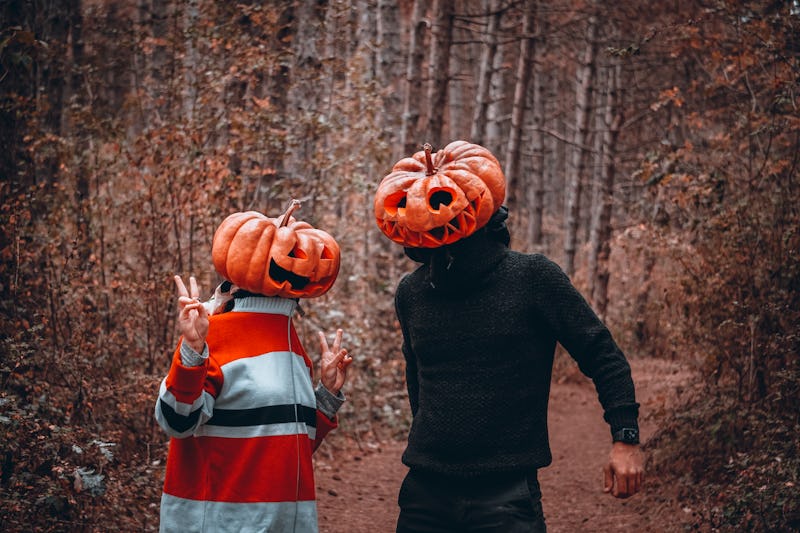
(630, 435)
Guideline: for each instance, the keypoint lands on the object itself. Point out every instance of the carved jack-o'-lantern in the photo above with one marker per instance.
(431, 200)
(275, 256)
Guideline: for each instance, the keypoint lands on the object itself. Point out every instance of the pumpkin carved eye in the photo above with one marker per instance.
(275, 256)
(297, 252)
(395, 202)
(440, 197)
(431, 200)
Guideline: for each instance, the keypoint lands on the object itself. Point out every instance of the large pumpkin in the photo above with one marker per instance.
(275, 256)
(431, 200)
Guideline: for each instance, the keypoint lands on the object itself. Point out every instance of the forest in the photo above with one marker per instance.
(651, 149)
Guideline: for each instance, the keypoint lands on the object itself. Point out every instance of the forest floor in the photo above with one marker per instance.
(357, 490)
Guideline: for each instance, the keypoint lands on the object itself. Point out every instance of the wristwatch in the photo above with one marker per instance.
(626, 435)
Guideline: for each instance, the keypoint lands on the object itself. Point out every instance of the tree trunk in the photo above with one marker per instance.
(482, 100)
(50, 86)
(413, 98)
(305, 88)
(495, 114)
(390, 69)
(190, 60)
(279, 78)
(601, 223)
(366, 41)
(459, 93)
(75, 129)
(535, 191)
(584, 91)
(442, 32)
(159, 72)
(524, 65)
(595, 170)
(119, 46)
(19, 82)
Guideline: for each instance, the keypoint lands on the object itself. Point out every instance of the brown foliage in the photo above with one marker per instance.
(731, 190)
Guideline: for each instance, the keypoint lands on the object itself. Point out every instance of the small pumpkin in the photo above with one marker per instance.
(275, 256)
(431, 200)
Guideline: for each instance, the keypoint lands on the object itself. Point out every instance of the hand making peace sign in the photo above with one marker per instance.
(192, 316)
(334, 363)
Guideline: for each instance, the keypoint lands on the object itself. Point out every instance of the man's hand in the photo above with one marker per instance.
(334, 363)
(624, 473)
(192, 316)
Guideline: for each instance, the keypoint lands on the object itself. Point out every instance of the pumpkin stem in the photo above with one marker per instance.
(428, 160)
(292, 207)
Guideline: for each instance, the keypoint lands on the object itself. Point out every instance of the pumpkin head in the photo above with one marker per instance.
(431, 200)
(275, 256)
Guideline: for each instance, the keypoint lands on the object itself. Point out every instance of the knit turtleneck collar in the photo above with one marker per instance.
(464, 263)
(265, 304)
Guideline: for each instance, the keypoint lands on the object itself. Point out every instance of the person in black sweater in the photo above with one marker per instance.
(480, 324)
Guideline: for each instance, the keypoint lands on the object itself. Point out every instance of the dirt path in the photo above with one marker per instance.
(357, 492)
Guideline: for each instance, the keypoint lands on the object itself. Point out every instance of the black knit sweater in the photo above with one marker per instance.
(480, 324)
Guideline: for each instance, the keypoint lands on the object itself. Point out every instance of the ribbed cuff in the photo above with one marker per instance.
(623, 417)
(327, 402)
(189, 357)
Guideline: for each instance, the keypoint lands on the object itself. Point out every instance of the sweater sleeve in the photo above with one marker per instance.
(324, 423)
(412, 379)
(581, 332)
(327, 406)
(187, 395)
(324, 426)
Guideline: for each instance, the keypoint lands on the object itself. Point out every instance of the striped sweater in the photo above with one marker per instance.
(244, 423)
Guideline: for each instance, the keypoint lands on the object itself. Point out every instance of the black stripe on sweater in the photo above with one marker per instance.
(179, 423)
(261, 416)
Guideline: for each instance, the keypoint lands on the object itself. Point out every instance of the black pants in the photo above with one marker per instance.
(507, 503)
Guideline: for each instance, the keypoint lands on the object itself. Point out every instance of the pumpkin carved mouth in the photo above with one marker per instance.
(280, 275)
(456, 228)
(461, 225)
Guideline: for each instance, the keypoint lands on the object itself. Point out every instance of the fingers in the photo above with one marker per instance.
(636, 483)
(190, 309)
(608, 479)
(193, 292)
(342, 364)
(341, 359)
(323, 342)
(621, 487)
(346, 360)
(337, 342)
(181, 287)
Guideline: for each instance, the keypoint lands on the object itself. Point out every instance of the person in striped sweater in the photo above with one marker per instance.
(244, 416)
